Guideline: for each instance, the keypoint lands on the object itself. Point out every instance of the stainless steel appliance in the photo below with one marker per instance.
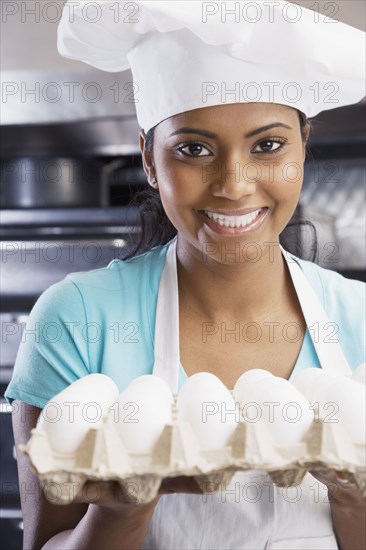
(39, 246)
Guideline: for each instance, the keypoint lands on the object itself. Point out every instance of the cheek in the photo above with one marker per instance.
(284, 182)
(292, 174)
(179, 195)
(181, 185)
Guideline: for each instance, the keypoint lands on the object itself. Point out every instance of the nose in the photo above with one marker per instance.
(234, 178)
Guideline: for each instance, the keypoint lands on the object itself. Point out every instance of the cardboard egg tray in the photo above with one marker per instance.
(102, 455)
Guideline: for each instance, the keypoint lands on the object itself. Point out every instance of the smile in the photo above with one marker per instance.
(233, 221)
(234, 225)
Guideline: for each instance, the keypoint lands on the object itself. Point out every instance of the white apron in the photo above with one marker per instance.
(251, 513)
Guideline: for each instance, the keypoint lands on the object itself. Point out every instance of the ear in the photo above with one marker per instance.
(147, 160)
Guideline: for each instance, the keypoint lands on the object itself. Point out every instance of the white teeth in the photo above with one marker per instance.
(233, 221)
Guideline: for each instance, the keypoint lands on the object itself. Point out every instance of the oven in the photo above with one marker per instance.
(45, 236)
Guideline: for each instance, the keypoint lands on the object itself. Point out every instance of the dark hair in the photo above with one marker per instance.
(157, 229)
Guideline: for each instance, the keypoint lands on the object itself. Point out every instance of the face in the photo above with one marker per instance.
(241, 163)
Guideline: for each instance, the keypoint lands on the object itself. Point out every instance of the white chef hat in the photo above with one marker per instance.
(186, 55)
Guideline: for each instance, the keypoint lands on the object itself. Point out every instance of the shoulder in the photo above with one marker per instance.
(334, 290)
(344, 303)
(117, 275)
(121, 284)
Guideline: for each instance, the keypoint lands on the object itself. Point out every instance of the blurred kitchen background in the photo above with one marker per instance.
(70, 163)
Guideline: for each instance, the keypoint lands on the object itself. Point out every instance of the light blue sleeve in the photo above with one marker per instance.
(98, 321)
(347, 298)
(344, 301)
(52, 354)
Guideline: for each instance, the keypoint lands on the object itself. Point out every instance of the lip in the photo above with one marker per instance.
(234, 231)
(233, 212)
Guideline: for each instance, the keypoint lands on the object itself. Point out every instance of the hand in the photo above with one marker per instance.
(180, 484)
(341, 491)
(110, 494)
(348, 509)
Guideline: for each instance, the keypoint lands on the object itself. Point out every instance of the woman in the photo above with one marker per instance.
(228, 173)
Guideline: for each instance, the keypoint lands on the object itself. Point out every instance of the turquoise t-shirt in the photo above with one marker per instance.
(104, 321)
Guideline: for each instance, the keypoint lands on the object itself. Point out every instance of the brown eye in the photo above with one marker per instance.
(194, 150)
(269, 145)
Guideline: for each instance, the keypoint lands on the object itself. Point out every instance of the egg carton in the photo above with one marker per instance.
(102, 455)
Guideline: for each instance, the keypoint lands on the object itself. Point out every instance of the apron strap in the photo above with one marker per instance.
(328, 349)
(166, 348)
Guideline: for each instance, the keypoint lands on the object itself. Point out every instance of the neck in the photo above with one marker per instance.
(245, 290)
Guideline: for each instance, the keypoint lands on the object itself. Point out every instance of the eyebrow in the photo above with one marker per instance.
(208, 134)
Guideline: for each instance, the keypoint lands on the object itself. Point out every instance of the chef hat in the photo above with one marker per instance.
(186, 55)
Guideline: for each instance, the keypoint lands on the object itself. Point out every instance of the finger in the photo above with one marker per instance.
(179, 484)
(346, 479)
(324, 475)
(335, 478)
(95, 492)
(342, 477)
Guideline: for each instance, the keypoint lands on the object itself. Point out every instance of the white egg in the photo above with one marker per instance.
(155, 383)
(206, 403)
(342, 399)
(277, 403)
(242, 387)
(144, 409)
(68, 416)
(359, 374)
(304, 381)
